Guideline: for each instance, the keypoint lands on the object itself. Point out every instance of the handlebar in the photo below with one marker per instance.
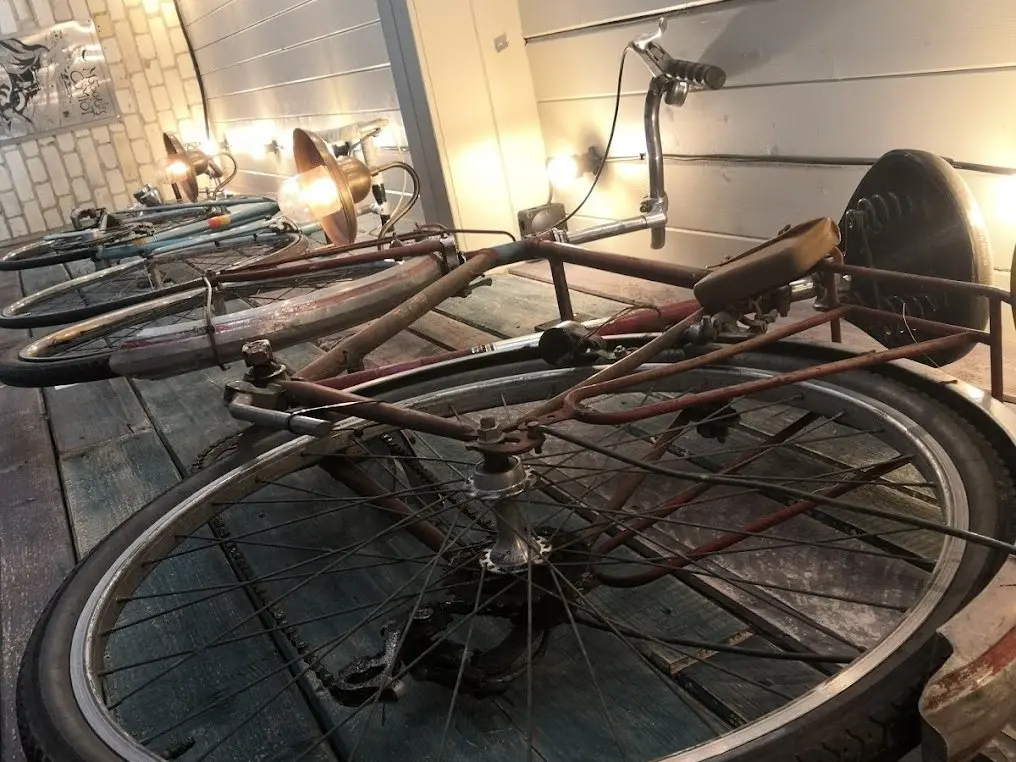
(701, 74)
(672, 80)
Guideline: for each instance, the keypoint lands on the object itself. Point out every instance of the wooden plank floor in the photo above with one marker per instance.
(76, 460)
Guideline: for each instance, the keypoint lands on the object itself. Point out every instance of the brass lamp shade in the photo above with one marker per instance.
(173, 146)
(351, 178)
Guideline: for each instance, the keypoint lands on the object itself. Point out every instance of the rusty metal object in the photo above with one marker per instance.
(859, 362)
(619, 264)
(346, 471)
(315, 262)
(969, 700)
(747, 532)
(374, 410)
(350, 351)
(596, 385)
(351, 178)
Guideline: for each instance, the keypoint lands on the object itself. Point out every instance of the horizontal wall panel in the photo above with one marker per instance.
(755, 201)
(543, 17)
(358, 50)
(357, 93)
(317, 20)
(861, 118)
(691, 248)
(243, 134)
(192, 10)
(746, 200)
(774, 41)
(237, 15)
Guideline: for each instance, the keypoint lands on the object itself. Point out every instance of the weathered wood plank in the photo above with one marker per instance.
(36, 548)
(448, 333)
(747, 686)
(514, 306)
(401, 347)
(83, 415)
(606, 285)
(207, 680)
(106, 483)
(188, 411)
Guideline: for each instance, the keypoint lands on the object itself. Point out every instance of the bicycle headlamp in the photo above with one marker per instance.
(327, 187)
(309, 196)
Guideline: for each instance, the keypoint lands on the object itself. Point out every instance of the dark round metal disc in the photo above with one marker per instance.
(173, 146)
(913, 213)
(309, 152)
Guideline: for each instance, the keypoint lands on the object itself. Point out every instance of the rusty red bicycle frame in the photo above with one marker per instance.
(622, 374)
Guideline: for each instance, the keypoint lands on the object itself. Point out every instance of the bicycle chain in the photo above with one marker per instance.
(264, 603)
(410, 463)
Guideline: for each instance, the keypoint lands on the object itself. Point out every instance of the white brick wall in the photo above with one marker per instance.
(42, 180)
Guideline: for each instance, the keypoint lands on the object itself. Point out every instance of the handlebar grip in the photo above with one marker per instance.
(702, 74)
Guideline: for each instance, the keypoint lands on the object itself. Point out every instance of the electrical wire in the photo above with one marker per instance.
(610, 140)
(403, 209)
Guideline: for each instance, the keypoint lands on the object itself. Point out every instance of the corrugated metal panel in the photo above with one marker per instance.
(540, 17)
(300, 26)
(269, 66)
(807, 78)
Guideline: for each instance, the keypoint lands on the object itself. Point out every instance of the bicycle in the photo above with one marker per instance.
(483, 491)
(472, 567)
(179, 258)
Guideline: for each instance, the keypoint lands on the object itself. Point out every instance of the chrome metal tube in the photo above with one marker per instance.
(277, 419)
(651, 221)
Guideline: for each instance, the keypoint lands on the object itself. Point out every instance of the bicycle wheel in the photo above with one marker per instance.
(42, 252)
(199, 327)
(265, 608)
(140, 280)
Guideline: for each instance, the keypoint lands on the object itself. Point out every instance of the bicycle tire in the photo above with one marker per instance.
(30, 311)
(41, 253)
(874, 720)
(187, 346)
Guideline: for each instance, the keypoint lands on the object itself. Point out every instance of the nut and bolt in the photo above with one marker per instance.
(258, 353)
(489, 432)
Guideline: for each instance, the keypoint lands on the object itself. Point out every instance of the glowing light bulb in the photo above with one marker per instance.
(175, 168)
(563, 170)
(309, 196)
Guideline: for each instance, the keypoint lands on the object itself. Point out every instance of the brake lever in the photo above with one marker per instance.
(650, 51)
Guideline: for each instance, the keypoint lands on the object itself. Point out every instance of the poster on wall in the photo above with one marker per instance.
(51, 80)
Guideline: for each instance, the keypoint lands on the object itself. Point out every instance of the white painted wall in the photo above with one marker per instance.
(806, 78)
(480, 101)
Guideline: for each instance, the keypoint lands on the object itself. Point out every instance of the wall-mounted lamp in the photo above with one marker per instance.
(327, 188)
(183, 164)
(565, 169)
